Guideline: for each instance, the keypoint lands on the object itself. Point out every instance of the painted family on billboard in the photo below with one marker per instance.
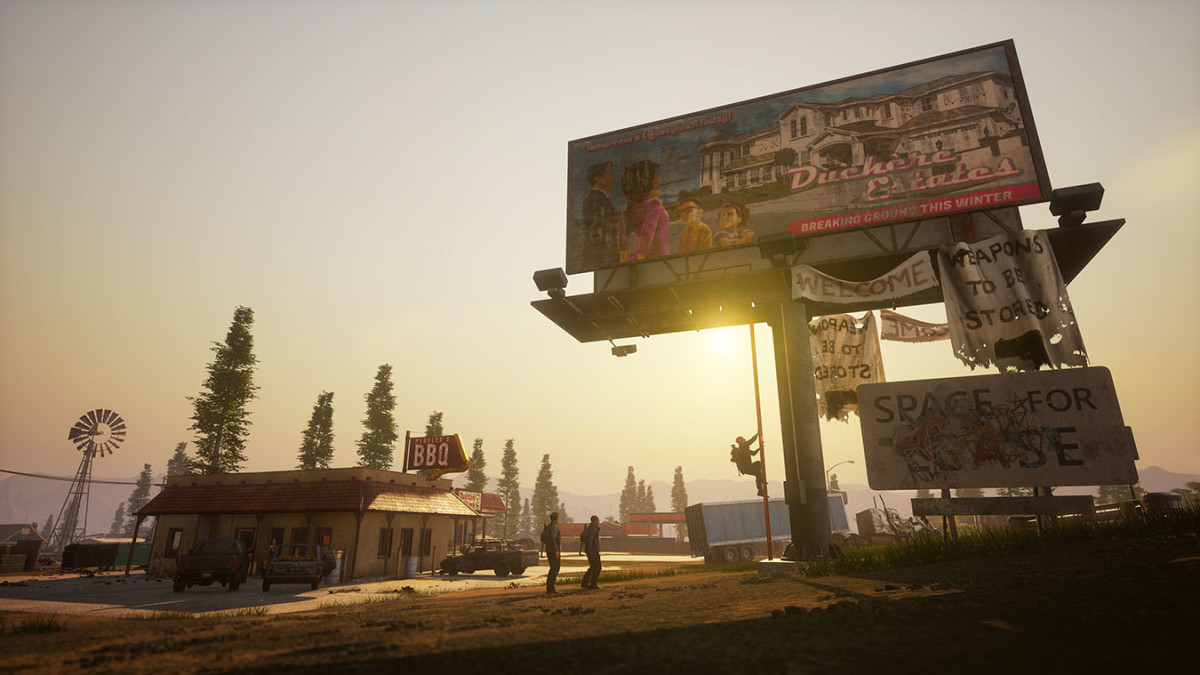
(947, 135)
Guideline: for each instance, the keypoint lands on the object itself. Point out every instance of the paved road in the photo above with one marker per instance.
(115, 594)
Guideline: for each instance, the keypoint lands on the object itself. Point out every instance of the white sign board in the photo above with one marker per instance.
(1055, 427)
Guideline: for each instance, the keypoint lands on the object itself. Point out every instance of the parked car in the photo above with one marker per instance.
(502, 556)
(295, 564)
(223, 561)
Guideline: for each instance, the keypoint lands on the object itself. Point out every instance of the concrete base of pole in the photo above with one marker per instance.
(778, 568)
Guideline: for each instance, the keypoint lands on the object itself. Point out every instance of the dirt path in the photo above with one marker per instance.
(1105, 608)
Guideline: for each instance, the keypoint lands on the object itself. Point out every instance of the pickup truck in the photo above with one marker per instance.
(499, 555)
(223, 561)
(296, 564)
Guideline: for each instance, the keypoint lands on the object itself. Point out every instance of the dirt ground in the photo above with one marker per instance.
(1114, 607)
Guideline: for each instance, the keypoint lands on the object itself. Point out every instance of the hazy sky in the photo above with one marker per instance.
(379, 181)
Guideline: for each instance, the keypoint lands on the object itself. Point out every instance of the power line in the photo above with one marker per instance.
(64, 478)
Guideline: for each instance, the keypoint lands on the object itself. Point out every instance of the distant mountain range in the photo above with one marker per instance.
(25, 499)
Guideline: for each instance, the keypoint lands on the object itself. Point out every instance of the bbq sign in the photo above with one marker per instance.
(435, 455)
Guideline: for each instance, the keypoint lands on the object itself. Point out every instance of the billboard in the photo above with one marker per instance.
(949, 134)
(1043, 428)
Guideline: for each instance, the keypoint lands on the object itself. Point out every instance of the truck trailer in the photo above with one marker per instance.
(728, 532)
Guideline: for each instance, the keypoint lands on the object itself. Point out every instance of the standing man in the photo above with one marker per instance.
(600, 227)
(591, 546)
(553, 543)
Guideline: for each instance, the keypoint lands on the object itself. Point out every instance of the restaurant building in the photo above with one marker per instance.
(374, 520)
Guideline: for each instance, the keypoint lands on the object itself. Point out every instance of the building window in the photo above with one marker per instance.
(745, 149)
(426, 541)
(887, 111)
(794, 134)
(385, 542)
(174, 540)
(325, 536)
(246, 536)
(803, 126)
(406, 541)
(927, 104)
(829, 120)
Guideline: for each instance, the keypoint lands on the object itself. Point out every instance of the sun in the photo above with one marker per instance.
(721, 341)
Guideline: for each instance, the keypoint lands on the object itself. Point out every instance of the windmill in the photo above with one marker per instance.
(98, 432)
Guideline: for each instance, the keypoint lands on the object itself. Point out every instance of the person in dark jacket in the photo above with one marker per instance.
(591, 546)
(743, 456)
(552, 540)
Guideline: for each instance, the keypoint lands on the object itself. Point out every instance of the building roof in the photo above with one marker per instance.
(19, 532)
(660, 517)
(346, 496)
(493, 502)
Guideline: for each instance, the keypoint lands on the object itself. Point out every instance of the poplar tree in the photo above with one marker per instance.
(179, 464)
(510, 489)
(563, 516)
(219, 417)
(679, 500)
(316, 443)
(639, 503)
(527, 522)
(648, 505)
(434, 426)
(379, 440)
(545, 494)
(118, 524)
(476, 478)
(627, 503)
(137, 499)
(679, 497)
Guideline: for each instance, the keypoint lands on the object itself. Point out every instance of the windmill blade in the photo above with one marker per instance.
(77, 431)
(106, 415)
(93, 417)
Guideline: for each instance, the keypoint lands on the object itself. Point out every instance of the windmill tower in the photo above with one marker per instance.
(98, 432)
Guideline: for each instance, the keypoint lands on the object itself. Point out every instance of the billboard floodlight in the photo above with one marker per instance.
(623, 350)
(552, 281)
(1072, 204)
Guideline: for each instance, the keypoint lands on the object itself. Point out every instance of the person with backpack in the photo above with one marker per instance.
(552, 542)
(590, 540)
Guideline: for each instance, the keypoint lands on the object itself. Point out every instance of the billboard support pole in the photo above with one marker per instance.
(804, 465)
(762, 454)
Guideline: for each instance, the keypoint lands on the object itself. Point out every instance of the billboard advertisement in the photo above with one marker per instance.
(1051, 427)
(946, 135)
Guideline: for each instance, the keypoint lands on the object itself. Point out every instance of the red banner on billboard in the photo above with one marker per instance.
(950, 134)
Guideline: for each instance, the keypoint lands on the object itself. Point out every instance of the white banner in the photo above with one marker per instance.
(913, 275)
(900, 328)
(1006, 304)
(845, 354)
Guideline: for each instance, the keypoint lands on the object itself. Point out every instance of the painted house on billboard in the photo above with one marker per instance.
(964, 114)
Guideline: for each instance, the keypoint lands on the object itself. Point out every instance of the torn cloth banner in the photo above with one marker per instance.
(900, 328)
(845, 354)
(1006, 304)
(913, 275)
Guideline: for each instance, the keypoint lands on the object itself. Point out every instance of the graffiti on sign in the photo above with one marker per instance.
(1016, 430)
